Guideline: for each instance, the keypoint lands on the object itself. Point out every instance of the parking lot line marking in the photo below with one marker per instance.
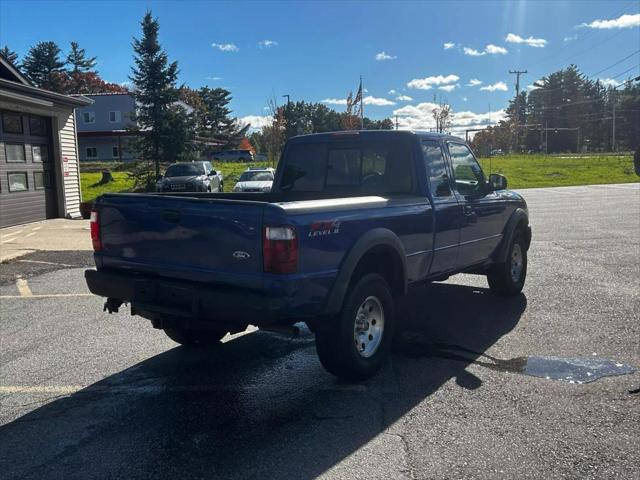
(30, 234)
(36, 228)
(11, 234)
(50, 263)
(131, 389)
(621, 187)
(48, 295)
(23, 288)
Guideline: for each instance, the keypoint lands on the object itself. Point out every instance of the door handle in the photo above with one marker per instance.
(171, 215)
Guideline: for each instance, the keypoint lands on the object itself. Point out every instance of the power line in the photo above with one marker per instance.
(617, 63)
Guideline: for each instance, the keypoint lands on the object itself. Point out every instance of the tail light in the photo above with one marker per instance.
(95, 231)
(280, 249)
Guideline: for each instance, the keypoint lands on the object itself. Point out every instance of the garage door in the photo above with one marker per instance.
(27, 183)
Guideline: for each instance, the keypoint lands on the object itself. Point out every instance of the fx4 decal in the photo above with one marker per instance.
(320, 229)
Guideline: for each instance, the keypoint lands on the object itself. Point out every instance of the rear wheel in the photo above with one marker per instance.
(194, 338)
(508, 278)
(221, 187)
(358, 343)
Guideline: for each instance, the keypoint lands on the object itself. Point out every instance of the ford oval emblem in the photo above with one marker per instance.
(241, 255)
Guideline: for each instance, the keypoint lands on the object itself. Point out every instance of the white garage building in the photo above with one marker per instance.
(39, 174)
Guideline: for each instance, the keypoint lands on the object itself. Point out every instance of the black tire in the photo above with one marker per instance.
(336, 346)
(502, 279)
(194, 338)
(221, 187)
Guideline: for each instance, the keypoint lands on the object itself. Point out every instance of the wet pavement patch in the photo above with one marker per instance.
(569, 370)
(574, 370)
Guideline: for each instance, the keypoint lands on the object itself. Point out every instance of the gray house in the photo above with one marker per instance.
(103, 127)
(39, 174)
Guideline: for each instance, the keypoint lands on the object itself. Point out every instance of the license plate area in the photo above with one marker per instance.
(158, 293)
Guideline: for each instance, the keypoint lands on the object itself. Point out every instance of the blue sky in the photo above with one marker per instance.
(316, 50)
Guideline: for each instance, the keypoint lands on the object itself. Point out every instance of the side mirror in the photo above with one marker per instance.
(497, 181)
(213, 173)
(158, 178)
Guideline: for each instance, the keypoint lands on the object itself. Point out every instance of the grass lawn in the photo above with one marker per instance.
(91, 189)
(527, 171)
(522, 171)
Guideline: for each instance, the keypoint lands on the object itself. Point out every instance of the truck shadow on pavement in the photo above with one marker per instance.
(260, 406)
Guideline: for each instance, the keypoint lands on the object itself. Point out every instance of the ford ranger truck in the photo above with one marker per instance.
(352, 221)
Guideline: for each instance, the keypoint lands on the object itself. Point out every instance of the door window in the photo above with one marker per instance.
(468, 175)
(436, 168)
(17, 181)
(14, 153)
(12, 122)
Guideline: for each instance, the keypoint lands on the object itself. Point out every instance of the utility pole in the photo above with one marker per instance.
(396, 122)
(613, 130)
(517, 73)
(361, 105)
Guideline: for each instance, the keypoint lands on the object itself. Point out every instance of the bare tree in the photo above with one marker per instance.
(442, 115)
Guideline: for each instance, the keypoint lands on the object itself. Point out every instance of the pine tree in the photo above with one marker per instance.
(78, 61)
(214, 117)
(9, 54)
(43, 66)
(164, 132)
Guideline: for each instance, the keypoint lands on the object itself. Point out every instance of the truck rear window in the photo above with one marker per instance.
(363, 167)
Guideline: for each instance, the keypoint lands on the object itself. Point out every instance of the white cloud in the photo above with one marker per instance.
(496, 86)
(472, 52)
(474, 82)
(335, 101)
(420, 117)
(531, 41)
(610, 82)
(267, 43)
(257, 122)
(495, 49)
(623, 21)
(448, 45)
(532, 87)
(215, 79)
(376, 101)
(428, 83)
(404, 98)
(490, 49)
(465, 99)
(225, 47)
(448, 88)
(570, 39)
(392, 92)
(384, 56)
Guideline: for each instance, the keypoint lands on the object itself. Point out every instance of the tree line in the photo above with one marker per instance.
(568, 112)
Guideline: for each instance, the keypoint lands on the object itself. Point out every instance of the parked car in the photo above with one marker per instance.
(234, 156)
(261, 157)
(255, 179)
(190, 177)
(353, 220)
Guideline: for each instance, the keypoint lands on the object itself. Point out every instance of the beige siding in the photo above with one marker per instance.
(69, 150)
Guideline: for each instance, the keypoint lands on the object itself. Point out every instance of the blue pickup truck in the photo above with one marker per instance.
(353, 220)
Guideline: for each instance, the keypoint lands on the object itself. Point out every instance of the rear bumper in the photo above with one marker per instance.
(175, 300)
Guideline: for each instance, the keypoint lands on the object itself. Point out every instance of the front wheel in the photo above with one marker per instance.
(357, 344)
(508, 278)
(220, 187)
(194, 338)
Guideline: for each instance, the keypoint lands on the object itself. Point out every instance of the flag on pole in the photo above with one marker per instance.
(349, 101)
(358, 98)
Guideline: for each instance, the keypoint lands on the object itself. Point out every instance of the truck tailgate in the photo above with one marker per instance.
(199, 239)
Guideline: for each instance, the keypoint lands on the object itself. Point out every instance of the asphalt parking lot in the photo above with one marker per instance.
(88, 395)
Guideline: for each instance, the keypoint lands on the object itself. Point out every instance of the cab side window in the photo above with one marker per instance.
(436, 169)
(468, 175)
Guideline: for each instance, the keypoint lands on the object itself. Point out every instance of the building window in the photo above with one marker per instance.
(114, 117)
(92, 152)
(89, 117)
(40, 153)
(12, 122)
(14, 153)
(115, 151)
(18, 181)
(38, 126)
(38, 180)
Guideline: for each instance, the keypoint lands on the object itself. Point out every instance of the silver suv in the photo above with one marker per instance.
(190, 177)
(234, 156)
(255, 179)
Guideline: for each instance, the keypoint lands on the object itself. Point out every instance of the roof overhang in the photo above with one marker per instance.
(9, 70)
(26, 93)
